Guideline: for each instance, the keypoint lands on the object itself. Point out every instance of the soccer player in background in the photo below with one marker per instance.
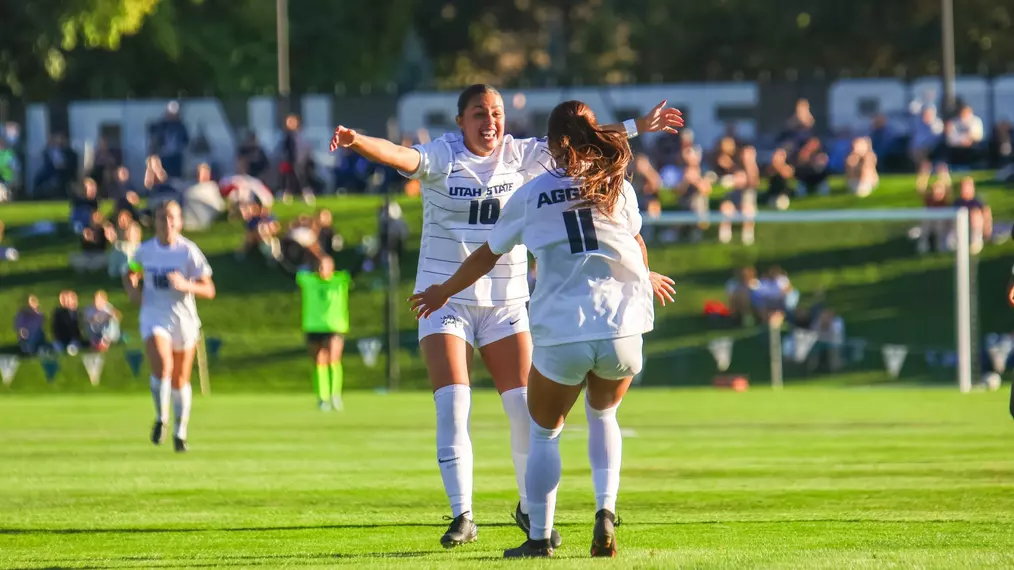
(175, 272)
(325, 323)
(583, 226)
(467, 177)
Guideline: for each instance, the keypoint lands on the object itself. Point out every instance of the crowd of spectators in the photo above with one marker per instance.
(71, 328)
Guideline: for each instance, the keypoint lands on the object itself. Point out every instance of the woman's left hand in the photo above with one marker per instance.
(663, 287)
(661, 118)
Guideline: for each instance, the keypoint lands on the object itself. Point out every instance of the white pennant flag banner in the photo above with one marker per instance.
(802, 342)
(369, 349)
(93, 363)
(998, 353)
(894, 358)
(721, 349)
(8, 368)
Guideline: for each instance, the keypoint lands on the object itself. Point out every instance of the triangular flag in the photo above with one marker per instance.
(721, 349)
(999, 352)
(803, 341)
(857, 351)
(369, 348)
(8, 368)
(213, 344)
(894, 357)
(134, 358)
(93, 363)
(50, 366)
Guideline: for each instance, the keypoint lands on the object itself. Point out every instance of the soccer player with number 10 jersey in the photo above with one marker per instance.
(467, 178)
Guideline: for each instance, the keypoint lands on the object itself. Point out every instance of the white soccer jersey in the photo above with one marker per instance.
(592, 282)
(159, 300)
(463, 196)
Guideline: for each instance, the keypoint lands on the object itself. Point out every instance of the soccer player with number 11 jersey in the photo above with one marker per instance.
(467, 178)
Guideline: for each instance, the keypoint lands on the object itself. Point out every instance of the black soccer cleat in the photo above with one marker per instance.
(462, 530)
(531, 549)
(525, 524)
(158, 433)
(180, 445)
(604, 536)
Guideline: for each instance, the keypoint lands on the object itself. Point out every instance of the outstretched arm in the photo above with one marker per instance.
(375, 149)
(661, 118)
(479, 263)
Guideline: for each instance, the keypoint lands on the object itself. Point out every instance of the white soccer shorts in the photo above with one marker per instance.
(478, 326)
(611, 359)
(182, 335)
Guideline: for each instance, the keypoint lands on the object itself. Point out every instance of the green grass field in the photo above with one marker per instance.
(868, 270)
(805, 478)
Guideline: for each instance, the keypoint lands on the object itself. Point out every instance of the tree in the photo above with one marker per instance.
(35, 37)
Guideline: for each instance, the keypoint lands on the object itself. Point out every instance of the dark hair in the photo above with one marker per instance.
(583, 150)
(473, 90)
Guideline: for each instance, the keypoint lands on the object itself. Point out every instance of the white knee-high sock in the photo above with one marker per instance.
(515, 403)
(182, 399)
(605, 450)
(160, 388)
(543, 479)
(454, 446)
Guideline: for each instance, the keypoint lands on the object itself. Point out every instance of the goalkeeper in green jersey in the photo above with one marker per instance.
(325, 322)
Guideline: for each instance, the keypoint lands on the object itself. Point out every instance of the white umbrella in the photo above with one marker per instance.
(244, 189)
(202, 205)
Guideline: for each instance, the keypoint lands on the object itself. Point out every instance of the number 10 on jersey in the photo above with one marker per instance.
(483, 211)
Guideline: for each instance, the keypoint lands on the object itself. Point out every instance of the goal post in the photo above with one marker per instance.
(964, 297)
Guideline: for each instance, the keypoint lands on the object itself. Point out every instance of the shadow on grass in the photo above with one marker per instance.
(152, 530)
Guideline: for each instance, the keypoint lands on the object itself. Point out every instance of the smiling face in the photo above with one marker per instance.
(482, 123)
(168, 222)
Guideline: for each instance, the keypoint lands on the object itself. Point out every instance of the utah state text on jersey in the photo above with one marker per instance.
(558, 195)
(467, 192)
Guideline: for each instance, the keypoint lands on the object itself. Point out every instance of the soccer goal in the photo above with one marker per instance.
(849, 296)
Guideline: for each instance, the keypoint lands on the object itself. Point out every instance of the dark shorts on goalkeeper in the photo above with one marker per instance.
(322, 337)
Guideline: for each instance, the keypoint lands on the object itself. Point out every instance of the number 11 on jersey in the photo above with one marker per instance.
(581, 230)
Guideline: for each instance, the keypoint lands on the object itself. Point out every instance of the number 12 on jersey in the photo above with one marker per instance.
(580, 230)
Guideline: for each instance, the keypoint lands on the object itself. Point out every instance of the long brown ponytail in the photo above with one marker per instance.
(583, 150)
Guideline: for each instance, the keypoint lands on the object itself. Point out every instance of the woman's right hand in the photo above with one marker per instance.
(426, 303)
(343, 138)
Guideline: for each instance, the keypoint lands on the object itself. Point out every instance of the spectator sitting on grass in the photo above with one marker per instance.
(95, 240)
(29, 326)
(739, 292)
(103, 322)
(937, 197)
(964, 138)
(331, 242)
(741, 200)
(6, 253)
(261, 232)
(724, 163)
(811, 169)
(123, 250)
(980, 216)
(66, 326)
(861, 168)
(83, 205)
(780, 177)
(694, 191)
(924, 145)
